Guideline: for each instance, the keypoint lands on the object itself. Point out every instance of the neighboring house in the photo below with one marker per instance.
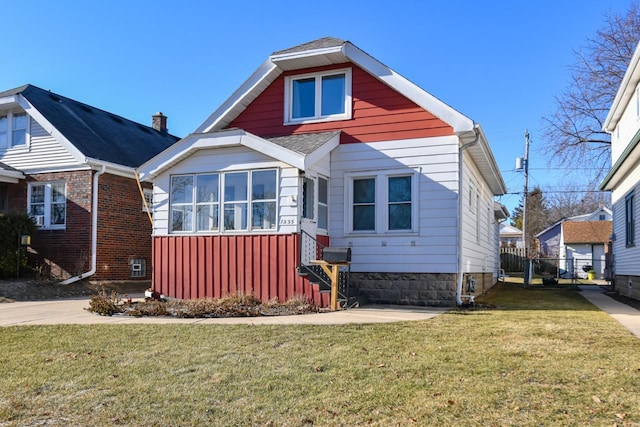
(510, 236)
(583, 247)
(550, 239)
(71, 167)
(623, 180)
(323, 140)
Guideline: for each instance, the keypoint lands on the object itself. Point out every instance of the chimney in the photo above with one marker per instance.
(159, 122)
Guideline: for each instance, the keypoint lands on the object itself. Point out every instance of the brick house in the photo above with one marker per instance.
(71, 167)
(325, 145)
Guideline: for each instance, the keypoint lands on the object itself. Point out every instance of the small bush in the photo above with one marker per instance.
(12, 226)
(105, 305)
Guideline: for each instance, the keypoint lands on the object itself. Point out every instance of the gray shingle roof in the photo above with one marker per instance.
(6, 167)
(315, 44)
(304, 143)
(96, 133)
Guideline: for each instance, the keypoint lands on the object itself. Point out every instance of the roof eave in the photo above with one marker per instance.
(625, 92)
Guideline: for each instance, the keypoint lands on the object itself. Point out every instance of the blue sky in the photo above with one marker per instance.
(501, 63)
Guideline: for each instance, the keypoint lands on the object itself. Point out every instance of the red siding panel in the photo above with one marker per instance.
(214, 266)
(379, 113)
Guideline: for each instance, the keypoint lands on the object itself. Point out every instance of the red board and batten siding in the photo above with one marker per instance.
(379, 113)
(190, 267)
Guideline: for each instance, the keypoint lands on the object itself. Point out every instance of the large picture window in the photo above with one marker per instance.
(380, 203)
(230, 201)
(48, 204)
(319, 96)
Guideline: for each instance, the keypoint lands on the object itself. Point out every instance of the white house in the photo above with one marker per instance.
(623, 180)
(323, 140)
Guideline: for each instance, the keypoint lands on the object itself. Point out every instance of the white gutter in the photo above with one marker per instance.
(94, 231)
(460, 222)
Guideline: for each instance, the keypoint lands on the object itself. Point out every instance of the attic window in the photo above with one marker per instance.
(318, 97)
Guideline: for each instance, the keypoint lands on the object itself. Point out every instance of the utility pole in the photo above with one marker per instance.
(525, 240)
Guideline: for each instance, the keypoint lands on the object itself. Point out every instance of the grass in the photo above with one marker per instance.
(532, 357)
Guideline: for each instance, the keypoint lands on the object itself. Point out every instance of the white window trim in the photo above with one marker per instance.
(382, 201)
(326, 205)
(9, 115)
(148, 196)
(288, 97)
(221, 203)
(47, 204)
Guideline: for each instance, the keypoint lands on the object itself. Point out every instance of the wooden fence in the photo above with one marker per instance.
(512, 259)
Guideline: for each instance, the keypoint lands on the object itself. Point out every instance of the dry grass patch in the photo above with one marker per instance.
(513, 364)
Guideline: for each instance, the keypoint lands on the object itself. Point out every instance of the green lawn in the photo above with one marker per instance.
(531, 357)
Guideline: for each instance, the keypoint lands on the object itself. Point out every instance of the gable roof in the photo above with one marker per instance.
(508, 230)
(587, 231)
(97, 134)
(299, 151)
(327, 51)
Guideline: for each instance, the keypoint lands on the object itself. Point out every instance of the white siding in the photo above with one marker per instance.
(432, 248)
(479, 244)
(626, 258)
(44, 152)
(627, 128)
(229, 159)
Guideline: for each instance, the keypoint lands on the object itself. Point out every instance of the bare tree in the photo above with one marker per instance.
(573, 134)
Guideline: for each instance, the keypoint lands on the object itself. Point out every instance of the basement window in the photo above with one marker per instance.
(138, 267)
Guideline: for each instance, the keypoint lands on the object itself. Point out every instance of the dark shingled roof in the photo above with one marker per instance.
(316, 44)
(6, 167)
(96, 133)
(304, 143)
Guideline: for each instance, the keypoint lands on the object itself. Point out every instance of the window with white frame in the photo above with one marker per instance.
(318, 96)
(629, 219)
(14, 129)
(47, 204)
(225, 201)
(147, 204)
(382, 202)
(323, 204)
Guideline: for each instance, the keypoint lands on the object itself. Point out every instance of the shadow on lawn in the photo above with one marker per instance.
(510, 295)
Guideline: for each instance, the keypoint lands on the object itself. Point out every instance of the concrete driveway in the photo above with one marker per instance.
(72, 311)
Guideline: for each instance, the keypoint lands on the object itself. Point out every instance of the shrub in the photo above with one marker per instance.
(12, 254)
(105, 305)
(234, 305)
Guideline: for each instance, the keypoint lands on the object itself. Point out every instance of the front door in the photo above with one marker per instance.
(308, 223)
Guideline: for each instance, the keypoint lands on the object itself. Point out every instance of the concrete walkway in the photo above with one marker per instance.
(72, 311)
(628, 316)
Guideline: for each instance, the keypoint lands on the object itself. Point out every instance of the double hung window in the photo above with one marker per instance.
(13, 129)
(48, 204)
(318, 96)
(229, 201)
(382, 202)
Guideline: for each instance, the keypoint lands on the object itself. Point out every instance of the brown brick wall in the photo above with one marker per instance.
(68, 251)
(124, 231)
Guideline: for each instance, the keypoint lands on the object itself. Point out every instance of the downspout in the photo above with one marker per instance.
(460, 207)
(94, 232)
